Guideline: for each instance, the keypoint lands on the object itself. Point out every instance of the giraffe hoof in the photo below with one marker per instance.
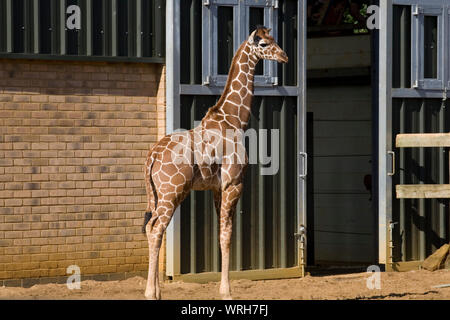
(151, 297)
(227, 297)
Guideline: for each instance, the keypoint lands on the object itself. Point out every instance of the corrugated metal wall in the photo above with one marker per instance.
(423, 224)
(109, 30)
(265, 220)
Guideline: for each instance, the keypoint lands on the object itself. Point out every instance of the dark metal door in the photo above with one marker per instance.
(271, 214)
(414, 84)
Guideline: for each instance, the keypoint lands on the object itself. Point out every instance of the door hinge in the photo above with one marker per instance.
(207, 81)
(275, 4)
(300, 236)
(206, 2)
(417, 10)
(301, 232)
(274, 81)
(391, 246)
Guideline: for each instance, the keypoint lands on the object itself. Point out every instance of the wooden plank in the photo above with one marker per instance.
(423, 140)
(266, 274)
(404, 266)
(423, 191)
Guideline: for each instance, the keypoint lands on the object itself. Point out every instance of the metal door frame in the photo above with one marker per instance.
(173, 91)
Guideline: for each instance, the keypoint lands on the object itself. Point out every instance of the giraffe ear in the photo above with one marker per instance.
(269, 29)
(251, 38)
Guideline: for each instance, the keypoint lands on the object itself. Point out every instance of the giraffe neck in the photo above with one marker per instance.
(236, 99)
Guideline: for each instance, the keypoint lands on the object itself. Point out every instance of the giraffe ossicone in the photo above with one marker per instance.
(206, 158)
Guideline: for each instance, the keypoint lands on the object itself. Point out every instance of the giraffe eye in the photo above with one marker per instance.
(263, 45)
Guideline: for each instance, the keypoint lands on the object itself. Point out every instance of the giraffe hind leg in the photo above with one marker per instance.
(148, 216)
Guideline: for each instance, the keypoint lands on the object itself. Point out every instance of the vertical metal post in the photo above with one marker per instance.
(283, 183)
(422, 214)
(131, 39)
(384, 128)
(192, 209)
(62, 27)
(35, 46)
(158, 24)
(27, 34)
(301, 127)
(405, 81)
(442, 213)
(88, 31)
(81, 34)
(275, 186)
(138, 28)
(173, 242)
(192, 44)
(54, 9)
(105, 27)
(402, 181)
(113, 34)
(261, 196)
(9, 35)
(254, 199)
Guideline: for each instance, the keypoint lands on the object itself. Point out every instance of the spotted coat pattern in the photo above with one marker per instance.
(197, 159)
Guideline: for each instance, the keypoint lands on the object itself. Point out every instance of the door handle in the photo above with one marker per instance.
(305, 165)
(392, 153)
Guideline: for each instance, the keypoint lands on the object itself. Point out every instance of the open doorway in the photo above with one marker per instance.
(341, 221)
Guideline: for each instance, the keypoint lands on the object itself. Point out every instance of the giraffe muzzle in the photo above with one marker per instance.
(282, 57)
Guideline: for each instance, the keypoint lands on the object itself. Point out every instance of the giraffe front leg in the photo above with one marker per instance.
(230, 197)
(225, 241)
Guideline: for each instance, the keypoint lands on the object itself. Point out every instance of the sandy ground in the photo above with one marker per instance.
(394, 285)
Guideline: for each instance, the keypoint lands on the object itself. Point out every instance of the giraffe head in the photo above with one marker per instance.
(263, 46)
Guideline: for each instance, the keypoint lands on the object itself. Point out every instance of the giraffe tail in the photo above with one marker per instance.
(151, 192)
(148, 216)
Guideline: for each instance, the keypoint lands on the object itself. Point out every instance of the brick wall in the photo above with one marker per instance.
(73, 140)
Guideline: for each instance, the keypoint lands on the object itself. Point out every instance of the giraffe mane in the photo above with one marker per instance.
(216, 107)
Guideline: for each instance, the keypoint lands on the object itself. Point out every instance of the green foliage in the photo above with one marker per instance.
(349, 19)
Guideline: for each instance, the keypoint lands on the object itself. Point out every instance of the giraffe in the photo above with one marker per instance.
(195, 159)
